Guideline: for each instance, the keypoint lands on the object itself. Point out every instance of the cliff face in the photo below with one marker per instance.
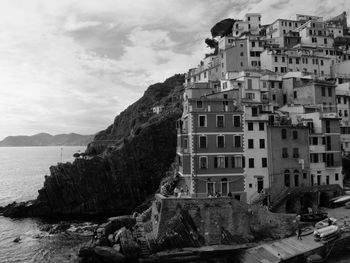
(123, 166)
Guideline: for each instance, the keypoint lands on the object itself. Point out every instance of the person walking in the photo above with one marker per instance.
(299, 232)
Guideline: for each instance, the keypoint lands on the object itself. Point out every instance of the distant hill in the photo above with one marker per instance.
(45, 139)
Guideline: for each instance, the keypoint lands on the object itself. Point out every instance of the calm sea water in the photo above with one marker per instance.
(22, 171)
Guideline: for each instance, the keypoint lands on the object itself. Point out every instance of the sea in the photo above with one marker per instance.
(22, 171)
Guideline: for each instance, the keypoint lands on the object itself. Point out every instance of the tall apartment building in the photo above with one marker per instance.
(266, 117)
(211, 153)
(343, 108)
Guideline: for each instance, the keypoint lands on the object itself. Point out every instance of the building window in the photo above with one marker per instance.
(250, 126)
(254, 111)
(276, 59)
(295, 152)
(210, 188)
(330, 92)
(202, 141)
(185, 143)
(276, 69)
(220, 121)
(346, 113)
(251, 162)
(203, 162)
(253, 43)
(264, 162)
(304, 176)
(202, 121)
(295, 95)
(261, 126)
(297, 61)
(262, 143)
(283, 59)
(241, 54)
(296, 178)
(290, 60)
(284, 152)
(287, 178)
(220, 162)
(250, 84)
(236, 162)
(237, 141)
(273, 97)
(336, 177)
(221, 141)
(199, 104)
(295, 135)
(250, 143)
(236, 121)
(284, 134)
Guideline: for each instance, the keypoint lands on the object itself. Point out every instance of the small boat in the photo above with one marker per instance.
(327, 233)
(347, 205)
(315, 258)
(313, 217)
(343, 199)
(325, 223)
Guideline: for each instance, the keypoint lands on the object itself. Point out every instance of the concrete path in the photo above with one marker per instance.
(280, 250)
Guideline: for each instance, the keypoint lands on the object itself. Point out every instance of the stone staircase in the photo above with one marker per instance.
(141, 237)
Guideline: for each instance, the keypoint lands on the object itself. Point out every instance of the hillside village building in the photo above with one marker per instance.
(266, 116)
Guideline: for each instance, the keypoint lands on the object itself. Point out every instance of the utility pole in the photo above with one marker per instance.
(61, 153)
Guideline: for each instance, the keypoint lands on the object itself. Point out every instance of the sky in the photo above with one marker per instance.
(72, 66)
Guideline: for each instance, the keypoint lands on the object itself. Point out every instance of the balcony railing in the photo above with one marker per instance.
(318, 166)
(317, 148)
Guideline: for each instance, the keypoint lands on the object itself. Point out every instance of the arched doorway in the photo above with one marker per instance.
(224, 187)
(296, 178)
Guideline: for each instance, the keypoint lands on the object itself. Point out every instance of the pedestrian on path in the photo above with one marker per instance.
(299, 232)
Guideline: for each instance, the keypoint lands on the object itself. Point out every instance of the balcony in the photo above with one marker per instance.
(250, 117)
(182, 150)
(318, 166)
(317, 148)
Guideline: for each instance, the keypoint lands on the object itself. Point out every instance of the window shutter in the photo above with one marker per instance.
(215, 162)
(233, 162)
(226, 162)
(243, 162)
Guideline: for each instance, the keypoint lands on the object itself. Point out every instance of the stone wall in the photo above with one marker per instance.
(216, 218)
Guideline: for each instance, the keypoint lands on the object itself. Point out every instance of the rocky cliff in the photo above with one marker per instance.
(122, 166)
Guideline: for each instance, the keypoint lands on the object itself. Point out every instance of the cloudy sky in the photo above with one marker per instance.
(72, 66)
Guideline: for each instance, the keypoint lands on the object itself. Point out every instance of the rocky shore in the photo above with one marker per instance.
(120, 169)
(151, 237)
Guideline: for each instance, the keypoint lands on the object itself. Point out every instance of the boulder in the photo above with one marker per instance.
(111, 239)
